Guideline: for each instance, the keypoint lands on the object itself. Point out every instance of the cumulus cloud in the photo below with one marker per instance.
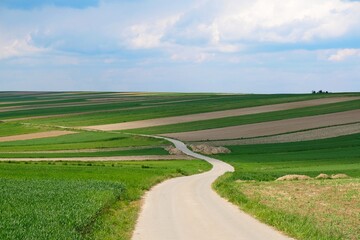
(220, 36)
(343, 54)
(149, 35)
(214, 26)
(231, 26)
(18, 47)
(271, 21)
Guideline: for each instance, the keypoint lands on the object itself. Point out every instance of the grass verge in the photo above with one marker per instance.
(79, 200)
(316, 209)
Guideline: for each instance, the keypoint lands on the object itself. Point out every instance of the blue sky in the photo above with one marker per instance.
(246, 46)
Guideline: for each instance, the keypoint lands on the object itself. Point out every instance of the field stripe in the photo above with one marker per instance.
(307, 135)
(269, 128)
(218, 114)
(92, 150)
(102, 159)
(35, 135)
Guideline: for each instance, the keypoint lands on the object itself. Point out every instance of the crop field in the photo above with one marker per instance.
(81, 140)
(252, 118)
(146, 109)
(253, 188)
(69, 200)
(10, 129)
(80, 184)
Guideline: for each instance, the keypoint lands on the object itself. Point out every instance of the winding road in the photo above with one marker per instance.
(186, 208)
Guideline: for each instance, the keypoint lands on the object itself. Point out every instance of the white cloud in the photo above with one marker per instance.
(17, 47)
(280, 21)
(343, 54)
(148, 35)
(197, 57)
(228, 26)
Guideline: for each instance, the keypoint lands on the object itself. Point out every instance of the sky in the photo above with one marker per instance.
(235, 46)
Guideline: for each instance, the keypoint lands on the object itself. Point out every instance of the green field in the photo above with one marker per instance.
(100, 200)
(68, 200)
(151, 110)
(10, 129)
(267, 162)
(133, 152)
(257, 166)
(82, 140)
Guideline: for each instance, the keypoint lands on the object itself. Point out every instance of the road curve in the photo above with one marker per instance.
(186, 208)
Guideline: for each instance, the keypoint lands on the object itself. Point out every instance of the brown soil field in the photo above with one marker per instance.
(218, 114)
(269, 128)
(321, 133)
(8, 109)
(103, 159)
(35, 135)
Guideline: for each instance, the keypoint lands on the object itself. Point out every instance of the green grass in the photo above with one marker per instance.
(252, 118)
(134, 152)
(269, 161)
(40, 108)
(82, 140)
(10, 129)
(266, 162)
(78, 200)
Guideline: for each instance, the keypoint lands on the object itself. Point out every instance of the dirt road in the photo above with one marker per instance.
(187, 208)
(269, 128)
(218, 114)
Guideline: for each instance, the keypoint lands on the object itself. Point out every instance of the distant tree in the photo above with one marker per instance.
(320, 91)
(313, 91)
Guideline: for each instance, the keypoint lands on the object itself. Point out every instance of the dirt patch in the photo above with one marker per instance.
(322, 133)
(174, 151)
(339, 176)
(323, 176)
(293, 177)
(270, 128)
(12, 108)
(35, 135)
(209, 150)
(102, 159)
(218, 114)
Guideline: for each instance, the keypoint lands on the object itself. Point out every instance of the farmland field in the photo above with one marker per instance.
(253, 188)
(81, 140)
(252, 118)
(57, 181)
(69, 200)
(168, 106)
